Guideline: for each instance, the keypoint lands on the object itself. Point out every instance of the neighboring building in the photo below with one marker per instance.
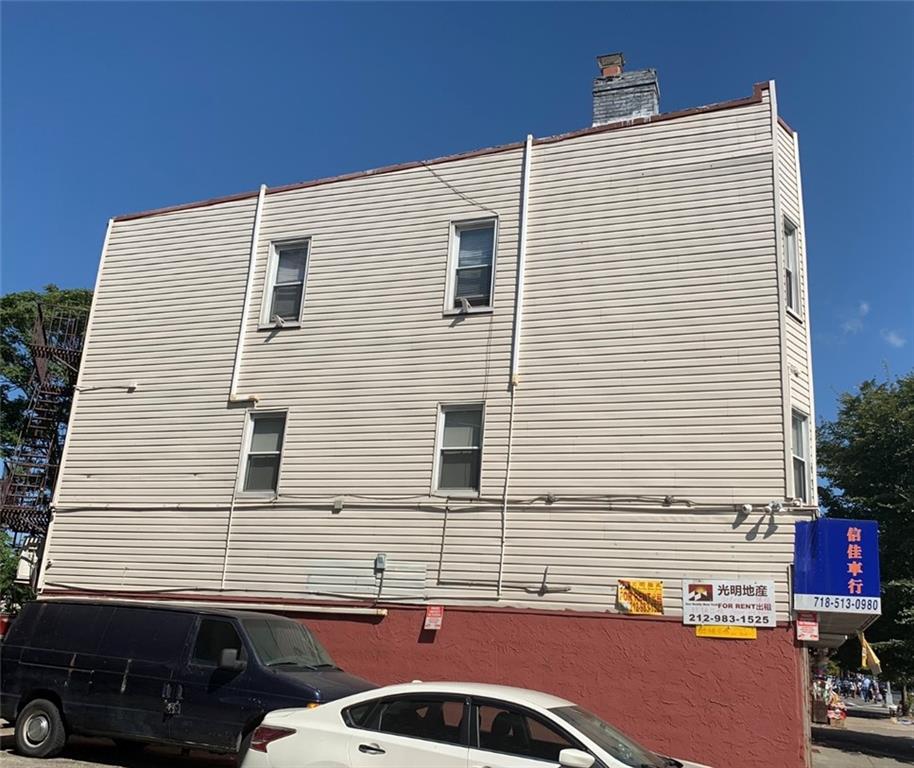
(499, 382)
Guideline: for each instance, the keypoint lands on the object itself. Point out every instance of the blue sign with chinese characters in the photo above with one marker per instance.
(836, 566)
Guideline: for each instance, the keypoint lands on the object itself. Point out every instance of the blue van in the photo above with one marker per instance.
(151, 673)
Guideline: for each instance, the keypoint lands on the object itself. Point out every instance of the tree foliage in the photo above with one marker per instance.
(12, 594)
(866, 455)
(17, 315)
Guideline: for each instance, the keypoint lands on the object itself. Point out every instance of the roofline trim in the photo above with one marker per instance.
(757, 90)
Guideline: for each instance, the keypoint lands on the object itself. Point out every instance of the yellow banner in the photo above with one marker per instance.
(645, 597)
(733, 633)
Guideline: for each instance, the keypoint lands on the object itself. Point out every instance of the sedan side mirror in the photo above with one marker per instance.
(228, 660)
(575, 758)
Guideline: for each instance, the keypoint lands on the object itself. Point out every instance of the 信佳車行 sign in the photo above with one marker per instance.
(836, 566)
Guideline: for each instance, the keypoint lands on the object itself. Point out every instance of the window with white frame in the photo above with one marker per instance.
(285, 292)
(459, 448)
(791, 270)
(266, 432)
(800, 430)
(472, 265)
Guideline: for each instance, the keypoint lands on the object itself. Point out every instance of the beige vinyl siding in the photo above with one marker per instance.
(649, 367)
(796, 327)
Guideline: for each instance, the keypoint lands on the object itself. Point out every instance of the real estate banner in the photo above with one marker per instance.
(730, 602)
(642, 597)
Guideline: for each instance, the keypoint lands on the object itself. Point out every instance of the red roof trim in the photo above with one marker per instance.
(783, 123)
(755, 98)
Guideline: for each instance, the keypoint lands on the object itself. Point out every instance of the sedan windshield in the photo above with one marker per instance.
(610, 740)
(279, 642)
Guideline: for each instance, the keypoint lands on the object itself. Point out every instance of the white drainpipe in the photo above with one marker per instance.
(515, 344)
(234, 397)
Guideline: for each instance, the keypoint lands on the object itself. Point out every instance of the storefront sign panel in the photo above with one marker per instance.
(728, 602)
(836, 566)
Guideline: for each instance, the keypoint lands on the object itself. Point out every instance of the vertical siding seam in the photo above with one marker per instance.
(782, 311)
(79, 380)
(807, 327)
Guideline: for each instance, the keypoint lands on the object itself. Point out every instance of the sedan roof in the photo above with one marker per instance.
(482, 690)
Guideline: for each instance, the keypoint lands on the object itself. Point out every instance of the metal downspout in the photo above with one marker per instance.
(515, 345)
(233, 396)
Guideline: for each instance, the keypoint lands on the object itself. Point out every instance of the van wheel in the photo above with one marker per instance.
(39, 729)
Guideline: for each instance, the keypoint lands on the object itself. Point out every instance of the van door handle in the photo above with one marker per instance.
(371, 749)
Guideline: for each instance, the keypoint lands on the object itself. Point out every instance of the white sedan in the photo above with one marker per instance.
(445, 725)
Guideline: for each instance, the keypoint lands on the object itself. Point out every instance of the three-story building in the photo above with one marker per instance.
(498, 382)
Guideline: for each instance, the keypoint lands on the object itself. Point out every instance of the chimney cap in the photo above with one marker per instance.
(611, 59)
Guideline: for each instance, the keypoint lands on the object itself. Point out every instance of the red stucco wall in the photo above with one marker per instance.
(721, 702)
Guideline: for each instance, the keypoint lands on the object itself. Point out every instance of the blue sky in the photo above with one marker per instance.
(109, 108)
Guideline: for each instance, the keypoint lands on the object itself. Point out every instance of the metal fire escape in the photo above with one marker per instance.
(30, 472)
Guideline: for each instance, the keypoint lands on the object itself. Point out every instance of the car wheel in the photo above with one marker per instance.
(40, 730)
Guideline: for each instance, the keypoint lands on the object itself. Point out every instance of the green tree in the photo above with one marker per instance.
(12, 594)
(17, 314)
(866, 455)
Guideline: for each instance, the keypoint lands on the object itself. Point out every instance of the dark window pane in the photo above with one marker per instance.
(462, 428)
(799, 478)
(459, 470)
(146, 634)
(476, 246)
(287, 302)
(75, 628)
(357, 716)
(262, 473)
(424, 719)
(266, 434)
(212, 638)
(473, 284)
(516, 733)
(291, 266)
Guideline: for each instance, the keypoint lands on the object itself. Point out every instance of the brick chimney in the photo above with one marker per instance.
(620, 95)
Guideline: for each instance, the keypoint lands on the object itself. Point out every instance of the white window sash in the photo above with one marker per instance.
(440, 450)
(248, 454)
(791, 271)
(453, 269)
(272, 284)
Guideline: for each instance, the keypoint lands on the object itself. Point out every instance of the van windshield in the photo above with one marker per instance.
(286, 643)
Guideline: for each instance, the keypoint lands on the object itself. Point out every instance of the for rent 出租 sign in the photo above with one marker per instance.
(729, 602)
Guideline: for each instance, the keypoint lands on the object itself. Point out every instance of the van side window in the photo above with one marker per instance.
(150, 634)
(75, 627)
(214, 636)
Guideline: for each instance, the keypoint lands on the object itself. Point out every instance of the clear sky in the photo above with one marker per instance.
(109, 108)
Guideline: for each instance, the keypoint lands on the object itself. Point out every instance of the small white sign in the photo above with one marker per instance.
(434, 617)
(808, 626)
(730, 602)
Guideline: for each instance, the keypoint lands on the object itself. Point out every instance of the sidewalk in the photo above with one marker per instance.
(864, 741)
